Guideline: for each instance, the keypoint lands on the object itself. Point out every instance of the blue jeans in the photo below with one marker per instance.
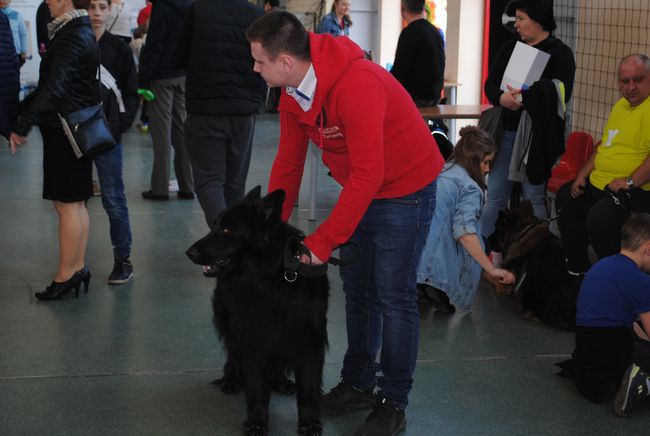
(500, 188)
(381, 305)
(109, 170)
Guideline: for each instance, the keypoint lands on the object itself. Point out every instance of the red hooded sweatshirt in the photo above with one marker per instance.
(372, 138)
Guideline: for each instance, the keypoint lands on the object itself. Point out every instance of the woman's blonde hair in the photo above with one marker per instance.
(346, 18)
(473, 146)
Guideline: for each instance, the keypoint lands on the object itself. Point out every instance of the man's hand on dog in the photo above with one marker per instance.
(504, 276)
(617, 184)
(314, 260)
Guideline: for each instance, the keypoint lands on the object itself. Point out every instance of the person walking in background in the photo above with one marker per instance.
(166, 82)
(534, 24)
(450, 274)
(338, 21)
(223, 94)
(120, 100)
(18, 30)
(9, 78)
(67, 83)
(420, 56)
(376, 146)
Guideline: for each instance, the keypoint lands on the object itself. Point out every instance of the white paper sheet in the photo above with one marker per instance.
(525, 66)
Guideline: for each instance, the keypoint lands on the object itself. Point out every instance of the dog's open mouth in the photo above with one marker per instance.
(221, 263)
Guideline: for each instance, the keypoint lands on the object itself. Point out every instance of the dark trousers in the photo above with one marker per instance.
(595, 217)
(167, 113)
(219, 147)
(600, 358)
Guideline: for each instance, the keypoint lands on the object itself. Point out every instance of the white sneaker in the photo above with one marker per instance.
(173, 186)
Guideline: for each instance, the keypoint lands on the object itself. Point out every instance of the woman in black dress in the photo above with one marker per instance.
(67, 83)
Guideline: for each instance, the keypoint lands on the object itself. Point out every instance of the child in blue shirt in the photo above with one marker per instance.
(613, 316)
(452, 259)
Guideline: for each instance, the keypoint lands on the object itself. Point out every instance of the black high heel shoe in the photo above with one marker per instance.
(57, 290)
(84, 274)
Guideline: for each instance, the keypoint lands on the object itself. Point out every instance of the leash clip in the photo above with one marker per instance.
(290, 276)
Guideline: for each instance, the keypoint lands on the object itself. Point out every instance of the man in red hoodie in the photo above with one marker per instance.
(376, 145)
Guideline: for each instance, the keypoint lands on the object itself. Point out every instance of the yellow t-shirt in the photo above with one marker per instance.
(625, 144)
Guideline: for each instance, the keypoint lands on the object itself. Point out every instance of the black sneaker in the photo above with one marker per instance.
(122, 272)
(344, 397)
(384, 420)
(633, 386)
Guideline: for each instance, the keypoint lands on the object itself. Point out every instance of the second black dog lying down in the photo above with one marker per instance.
(270, 321)
(548, 291)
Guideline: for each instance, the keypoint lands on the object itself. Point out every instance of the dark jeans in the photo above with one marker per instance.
(381, 300)
(109, 170)
(595, 217)
(219, 147)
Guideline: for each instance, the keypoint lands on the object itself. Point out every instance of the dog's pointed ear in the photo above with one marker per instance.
(254, 194)
(273, 203)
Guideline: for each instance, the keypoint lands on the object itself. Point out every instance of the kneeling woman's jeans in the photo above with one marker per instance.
(381, 301)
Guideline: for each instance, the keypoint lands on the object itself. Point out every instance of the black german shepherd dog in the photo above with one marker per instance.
(548, 292)
(271, 321)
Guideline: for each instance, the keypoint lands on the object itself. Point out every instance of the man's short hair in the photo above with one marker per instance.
(638, 56)
(273, 3)
(413, 6)
(635, 231)
(280, 32)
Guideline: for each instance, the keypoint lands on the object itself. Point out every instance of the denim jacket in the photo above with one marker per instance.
(445, 264)
(329, 24)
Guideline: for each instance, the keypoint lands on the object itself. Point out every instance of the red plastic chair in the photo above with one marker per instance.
(579, 146)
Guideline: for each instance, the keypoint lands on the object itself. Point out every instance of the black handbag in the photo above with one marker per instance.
(87, 129)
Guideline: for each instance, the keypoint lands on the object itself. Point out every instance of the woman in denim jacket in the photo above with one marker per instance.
(450, 267)
(338, 21)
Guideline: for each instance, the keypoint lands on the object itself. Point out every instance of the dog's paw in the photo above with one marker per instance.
(227, 385)
(255, 429)
(312, 429)
(284, 386)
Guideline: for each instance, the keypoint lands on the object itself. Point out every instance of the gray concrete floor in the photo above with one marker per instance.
(138, 359)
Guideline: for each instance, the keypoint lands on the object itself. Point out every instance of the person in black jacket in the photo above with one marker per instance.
(9, 78)
(167, 110)
(67, 83)
(223, 95)
(420, 56)
(120, 99)
(534, 24)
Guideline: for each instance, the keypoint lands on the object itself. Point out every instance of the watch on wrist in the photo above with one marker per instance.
(630, 182)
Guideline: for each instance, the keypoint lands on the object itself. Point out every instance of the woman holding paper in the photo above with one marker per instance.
(534, 23)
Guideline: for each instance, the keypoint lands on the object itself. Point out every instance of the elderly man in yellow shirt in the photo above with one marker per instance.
(615, 181)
